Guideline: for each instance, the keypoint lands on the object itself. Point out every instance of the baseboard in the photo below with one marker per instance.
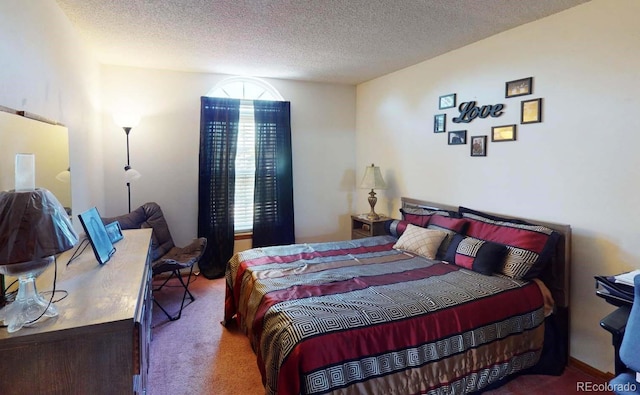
(590, 370)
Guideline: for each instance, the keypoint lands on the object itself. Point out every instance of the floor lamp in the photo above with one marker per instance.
(128, 121)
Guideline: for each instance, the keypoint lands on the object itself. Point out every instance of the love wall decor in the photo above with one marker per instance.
(530, 112)
(470, 111)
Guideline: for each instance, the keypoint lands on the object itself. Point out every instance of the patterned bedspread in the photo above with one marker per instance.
(360, 317)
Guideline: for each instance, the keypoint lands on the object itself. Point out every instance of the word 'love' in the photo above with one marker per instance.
(470, 111)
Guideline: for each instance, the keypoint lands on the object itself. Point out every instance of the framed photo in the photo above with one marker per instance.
(478, 145)
(531, 111)
(97, 235)
(114, 231)
(519, 87)
(447, 101)
(439, 121)
(503, 133)
(458, 137)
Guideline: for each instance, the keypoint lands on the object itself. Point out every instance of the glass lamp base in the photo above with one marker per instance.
(28, 305)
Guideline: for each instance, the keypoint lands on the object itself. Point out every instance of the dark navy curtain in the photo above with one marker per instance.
(216, 186)
(273, 222)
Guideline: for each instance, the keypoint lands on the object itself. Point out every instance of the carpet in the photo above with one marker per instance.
(196, 354)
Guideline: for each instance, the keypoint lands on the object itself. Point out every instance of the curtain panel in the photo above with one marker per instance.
(219, 119)
(273, 222)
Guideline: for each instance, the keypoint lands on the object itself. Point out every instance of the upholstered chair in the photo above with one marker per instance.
(166, 258)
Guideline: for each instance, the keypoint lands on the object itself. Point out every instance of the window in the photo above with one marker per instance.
(245, 169)
(247, 89)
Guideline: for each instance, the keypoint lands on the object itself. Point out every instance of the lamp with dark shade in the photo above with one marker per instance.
(34, 227)
(373, 180)
(127, 121)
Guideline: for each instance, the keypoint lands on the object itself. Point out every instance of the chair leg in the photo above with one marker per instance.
(176, 273)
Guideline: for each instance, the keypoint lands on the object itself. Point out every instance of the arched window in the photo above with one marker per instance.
(247, 89)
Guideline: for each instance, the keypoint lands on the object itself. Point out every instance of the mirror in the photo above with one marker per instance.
(49, 143)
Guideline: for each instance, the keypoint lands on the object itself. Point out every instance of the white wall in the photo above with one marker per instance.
(579, 166)
(46, 69)
(164, 148)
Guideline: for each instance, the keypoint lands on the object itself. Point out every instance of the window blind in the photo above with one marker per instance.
(245, 169)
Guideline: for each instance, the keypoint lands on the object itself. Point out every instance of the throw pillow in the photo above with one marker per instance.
(529, 247)
(395, 227)
(420, 216)
(451, 226)
(480, 256)
(421, 241)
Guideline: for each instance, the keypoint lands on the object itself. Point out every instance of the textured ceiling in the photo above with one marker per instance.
(341, 41)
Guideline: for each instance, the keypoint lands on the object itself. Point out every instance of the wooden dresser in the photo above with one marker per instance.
(99, 343)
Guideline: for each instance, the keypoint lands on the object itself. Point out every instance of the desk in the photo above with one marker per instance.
(99, 343)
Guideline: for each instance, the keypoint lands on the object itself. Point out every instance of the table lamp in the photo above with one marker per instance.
(373, 180)
(34, 227)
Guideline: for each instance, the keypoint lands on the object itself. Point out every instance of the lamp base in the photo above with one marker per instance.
(28, 305)
(372, 202)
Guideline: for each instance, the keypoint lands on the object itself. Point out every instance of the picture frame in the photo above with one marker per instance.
(503, 133)
(478, 145)
(447, 101)
(439, 123)
(521, 87)
(457, 137)
(97, 235)
(531, 111)
(114, 231)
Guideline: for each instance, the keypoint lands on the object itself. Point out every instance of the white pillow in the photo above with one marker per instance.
(421, 241)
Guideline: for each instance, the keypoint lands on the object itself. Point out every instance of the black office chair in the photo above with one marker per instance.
(625, 383)
(165, 256)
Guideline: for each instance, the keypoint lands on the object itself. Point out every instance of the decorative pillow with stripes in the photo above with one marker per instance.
(451, 226)
(417, 217)
(480, 256)
(420, 241)
(529, 247)
(396, 227)
(420, 216)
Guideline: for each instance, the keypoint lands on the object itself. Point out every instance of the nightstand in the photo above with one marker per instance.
(361, 226)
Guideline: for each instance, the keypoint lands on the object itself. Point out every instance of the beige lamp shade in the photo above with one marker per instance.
(373, 178)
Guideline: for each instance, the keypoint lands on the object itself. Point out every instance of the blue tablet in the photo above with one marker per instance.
(97, 235)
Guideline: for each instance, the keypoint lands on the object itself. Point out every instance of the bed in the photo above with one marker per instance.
(488, 299)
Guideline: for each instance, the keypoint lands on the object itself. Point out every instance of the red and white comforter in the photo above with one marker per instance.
(359, 317)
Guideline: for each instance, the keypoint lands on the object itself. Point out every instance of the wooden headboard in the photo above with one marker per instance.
(556, 275)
